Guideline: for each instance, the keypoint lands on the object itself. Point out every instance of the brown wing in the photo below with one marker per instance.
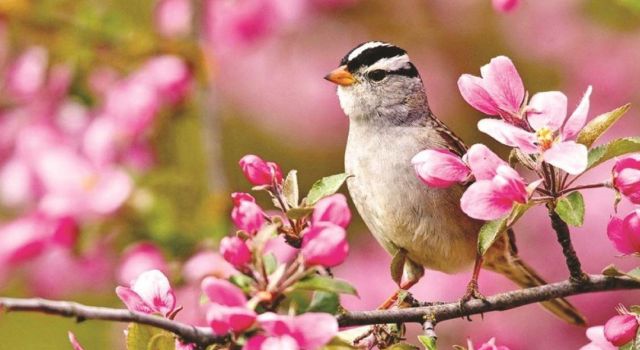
(450, 140)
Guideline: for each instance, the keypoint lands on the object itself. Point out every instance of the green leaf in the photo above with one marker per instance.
(328, 302)
(162, 341)
(615, 148)
(397, 265)
(243, 281)
(326, 284)
(491, 230)
(635, 273)
(428, 342)
(571, 209)
(139, 336)
(290, 188)
(600, 124)
(299, 213)
(339, 344)
(635, 309)
(325, 187)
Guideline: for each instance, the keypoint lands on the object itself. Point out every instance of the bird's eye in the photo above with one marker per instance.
(377, 75)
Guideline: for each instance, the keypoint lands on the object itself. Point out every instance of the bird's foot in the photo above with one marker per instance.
(399, 296)
(380, 336)
(471, 293)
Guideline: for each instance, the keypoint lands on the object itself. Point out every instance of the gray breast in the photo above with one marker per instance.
(400, 211)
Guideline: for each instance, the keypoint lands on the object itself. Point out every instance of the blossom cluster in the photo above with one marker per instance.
(265, 269)
(618, 331)
(64, 164)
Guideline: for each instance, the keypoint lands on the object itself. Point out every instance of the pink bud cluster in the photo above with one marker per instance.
(64, 165)
(619, 330)
(625, 233)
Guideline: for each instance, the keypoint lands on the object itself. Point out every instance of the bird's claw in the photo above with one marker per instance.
(471, 293)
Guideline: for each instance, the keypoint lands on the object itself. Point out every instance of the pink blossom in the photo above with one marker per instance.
(149, 293)
(168, 76)
(235, 251)
(81, 189)
(227, 311)
(625, 233)
(598, 340)
(27, 75)
(490, 345)
(554, 134)
(332, 209)
(621, 329)
(440, 168)
(259, 172)
(324, 244)
(310, 331)
(75, 344)
(505, 6)
(206, 263)
(626, 177)
(246, 214)
(138, 258)
(497, 188)
(24, 238)
(261, 342)
(499, 91)
(173, 17)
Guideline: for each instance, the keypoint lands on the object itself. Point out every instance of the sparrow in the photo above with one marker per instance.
(382, 94)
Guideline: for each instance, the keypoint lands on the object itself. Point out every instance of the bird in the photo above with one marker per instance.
(382, 94)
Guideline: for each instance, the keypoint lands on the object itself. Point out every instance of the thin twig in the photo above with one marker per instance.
(435, 313)
(581, 187)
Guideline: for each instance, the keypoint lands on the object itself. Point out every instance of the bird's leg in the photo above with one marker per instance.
(472, 288)
(404, 287)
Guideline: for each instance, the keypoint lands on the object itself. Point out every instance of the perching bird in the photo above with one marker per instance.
(382, 93)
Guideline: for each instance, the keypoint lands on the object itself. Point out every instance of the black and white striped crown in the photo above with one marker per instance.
(374, 55)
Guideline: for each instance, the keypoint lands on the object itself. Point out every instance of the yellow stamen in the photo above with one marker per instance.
(545, 137)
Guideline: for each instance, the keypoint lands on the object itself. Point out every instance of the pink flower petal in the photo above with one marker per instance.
(569, 156)
(509, 135)
(324, 244)
(332, 209)
(483, 162)
(505, 6)
(548, 110)
(284, 342)
(617, 236)
(482, 201)
(510, 185)
(502, 81)
(598, 341)
(153, 287)
(138, 258)
(476, 95)
(111, 190)
(439, 168)
(314, 330)
(224, 319)
(235, 251)
(132, 300)
(621, 329)
(223, 292)
(578, 118)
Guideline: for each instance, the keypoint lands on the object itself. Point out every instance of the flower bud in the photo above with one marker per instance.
(621, 329)
(235, 251)
(626, 177)
(259, 172)
(246, 214)
(332, 209)
(440, 168)
(625, 233)
(324, 244)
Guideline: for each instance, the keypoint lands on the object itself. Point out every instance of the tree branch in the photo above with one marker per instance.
(192, 334)
(564, 238)
(437, 313)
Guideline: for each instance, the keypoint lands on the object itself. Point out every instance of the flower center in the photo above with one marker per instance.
(545, 137)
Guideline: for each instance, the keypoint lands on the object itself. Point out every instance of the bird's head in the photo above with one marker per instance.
(377, 82)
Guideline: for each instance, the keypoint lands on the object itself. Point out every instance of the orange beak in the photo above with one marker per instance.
(341, 76)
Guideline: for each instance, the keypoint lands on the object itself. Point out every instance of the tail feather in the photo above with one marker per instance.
(524, 276)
